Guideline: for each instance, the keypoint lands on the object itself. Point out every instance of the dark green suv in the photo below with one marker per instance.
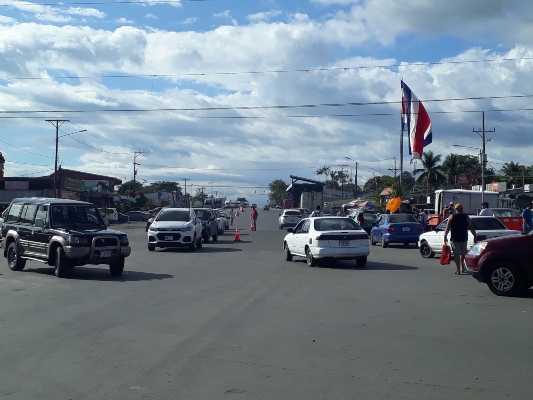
(61, 233)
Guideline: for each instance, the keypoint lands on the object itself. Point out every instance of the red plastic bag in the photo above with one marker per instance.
(445, 255)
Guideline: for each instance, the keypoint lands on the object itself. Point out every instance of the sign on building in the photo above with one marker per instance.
(74, 184)
(17, 185)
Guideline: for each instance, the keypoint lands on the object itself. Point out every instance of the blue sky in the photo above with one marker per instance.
(189, 72)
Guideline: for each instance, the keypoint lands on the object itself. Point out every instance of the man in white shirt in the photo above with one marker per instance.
(317, 212)
(486, 211)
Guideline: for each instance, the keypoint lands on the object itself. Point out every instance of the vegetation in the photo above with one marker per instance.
(278, 190)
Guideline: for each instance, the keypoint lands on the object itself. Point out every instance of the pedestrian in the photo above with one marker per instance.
(447, 210)
(360, 219)
(253, 217)
(486, 211)
(459, 224)
(231, 216)
(527, 218)
(317, 212)
(423, 218)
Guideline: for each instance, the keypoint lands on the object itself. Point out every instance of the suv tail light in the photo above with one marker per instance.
(390, 230)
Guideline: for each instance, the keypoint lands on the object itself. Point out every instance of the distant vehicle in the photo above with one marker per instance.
(369, 219)
(327, 238)
(266, 207)
(175, 227)
(505, 263)
(396, 228)
(305, 212)
(430, 243)
(138, 215)
(122, 218)
(289, 218)
(510, 217)
(209, 223)
(110, 213)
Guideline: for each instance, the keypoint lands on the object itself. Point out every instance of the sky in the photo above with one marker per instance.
(232, 95)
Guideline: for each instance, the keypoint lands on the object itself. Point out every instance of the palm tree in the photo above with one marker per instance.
(432, 173)
(513, 172)
(452, 167)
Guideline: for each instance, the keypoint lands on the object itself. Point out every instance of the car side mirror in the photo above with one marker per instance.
(150, 220)
(39, 222)
(290, 230)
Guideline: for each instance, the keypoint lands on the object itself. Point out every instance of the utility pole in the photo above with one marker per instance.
(356, 188)
(135, 163)
(482, 155)
(342, 179)
(57, 123)
(394, 169)
(186, 179)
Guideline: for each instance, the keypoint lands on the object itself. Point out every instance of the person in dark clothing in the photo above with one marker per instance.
(459, 224)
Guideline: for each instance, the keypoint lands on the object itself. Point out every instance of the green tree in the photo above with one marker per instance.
(278, 190)
(432, 174)
(514, 172)
(451, 167)
(163, 186)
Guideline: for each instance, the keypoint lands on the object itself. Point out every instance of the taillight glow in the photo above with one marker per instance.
(390, 230)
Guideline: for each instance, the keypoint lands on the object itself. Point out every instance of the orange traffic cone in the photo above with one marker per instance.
(237, 236)
(252, 227)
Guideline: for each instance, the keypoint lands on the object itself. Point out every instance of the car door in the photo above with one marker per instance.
(25, 225)
(292, 238)
(377, 230)
(303, 237)
(40, 237)
(437, 240)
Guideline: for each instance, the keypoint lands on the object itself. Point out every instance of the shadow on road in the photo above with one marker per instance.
(370, 266)
(206, 248)
(102, 274)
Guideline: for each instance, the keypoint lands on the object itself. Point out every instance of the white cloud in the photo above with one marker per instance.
(263, 16)
(190, 20)
(151, 16)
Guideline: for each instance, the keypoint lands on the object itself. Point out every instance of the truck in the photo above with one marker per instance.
(470, 199)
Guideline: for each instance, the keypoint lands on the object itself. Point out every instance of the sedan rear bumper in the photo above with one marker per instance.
(347, 253)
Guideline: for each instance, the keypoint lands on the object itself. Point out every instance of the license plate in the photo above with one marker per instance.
(169, 237)
(406, 229)
(105, 254)
(344, 242)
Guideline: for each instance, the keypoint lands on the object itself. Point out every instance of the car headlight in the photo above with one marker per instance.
(124, 240)
(78, 240)
(187, 228)
(477, 249)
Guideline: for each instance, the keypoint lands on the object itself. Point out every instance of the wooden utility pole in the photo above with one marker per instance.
(482, 155)
(57, 123)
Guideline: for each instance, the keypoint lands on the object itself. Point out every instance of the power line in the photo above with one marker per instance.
(98, 3)
(277, 71)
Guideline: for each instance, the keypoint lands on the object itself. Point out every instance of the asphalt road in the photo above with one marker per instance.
(233, 320)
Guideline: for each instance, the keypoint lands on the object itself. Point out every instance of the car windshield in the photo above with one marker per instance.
(292, 213)
(370, 217)
(67, 215)
(505, 213)
(173, 215)
(487, 224)
(203, 214)
(335, 224)
(395, 219)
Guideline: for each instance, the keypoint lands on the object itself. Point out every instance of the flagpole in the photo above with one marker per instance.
(401, 141)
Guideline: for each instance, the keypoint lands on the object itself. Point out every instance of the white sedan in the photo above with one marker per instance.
(322, 238)
(431, 242)
(175, 227)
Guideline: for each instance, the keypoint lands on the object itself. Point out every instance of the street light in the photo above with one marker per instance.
(356, 164)
(482, 160)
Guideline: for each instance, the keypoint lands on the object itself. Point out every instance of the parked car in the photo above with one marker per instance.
(327, 238)
(396, 228)
(305, 212)
(266, 207)
(111, 214)
(175, 227)
(138, 215)
(221, 220)
(123, 218)
(61, 233)
(209, 223)
(510, 217)
(504, 263)
(153, 213)
(289, 218)
(430, 243)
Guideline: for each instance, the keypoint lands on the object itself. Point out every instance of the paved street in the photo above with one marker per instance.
(233, 320)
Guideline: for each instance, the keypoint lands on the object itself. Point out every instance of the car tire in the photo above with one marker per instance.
(61, 263)
(384, 243)
(117, 267)
(425, 250)
(372, 241)
(361, 261)
(14, 260)
(193, 245)
(311, 262)
(505, 279)
(288, 254)
(151, 247)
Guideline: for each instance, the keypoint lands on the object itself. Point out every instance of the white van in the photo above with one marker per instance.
(111, 214)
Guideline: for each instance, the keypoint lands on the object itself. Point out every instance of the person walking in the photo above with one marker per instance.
(459, 224)
(231, 217)
(317, 212)
(253, 216)
(486, 211)
(527, 218)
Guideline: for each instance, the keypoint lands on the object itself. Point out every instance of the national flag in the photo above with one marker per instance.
(415, 121)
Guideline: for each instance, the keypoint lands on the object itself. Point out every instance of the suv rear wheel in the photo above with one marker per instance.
(505, 279)
(14, 261)
(117, 267)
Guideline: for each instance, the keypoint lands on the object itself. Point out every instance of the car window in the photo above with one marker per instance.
(400, 218)
(299, 227)
(505, 213)
(305, 226)
(442, 225)
(335, 224)
(14, 213)
(63, 215)
(28, 214)
(489, 223)
(42, 212)
(382, 221)
(292, 213)
(173, 215)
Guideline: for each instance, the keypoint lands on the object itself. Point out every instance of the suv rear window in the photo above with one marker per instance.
(292, 213)
(14, 213)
